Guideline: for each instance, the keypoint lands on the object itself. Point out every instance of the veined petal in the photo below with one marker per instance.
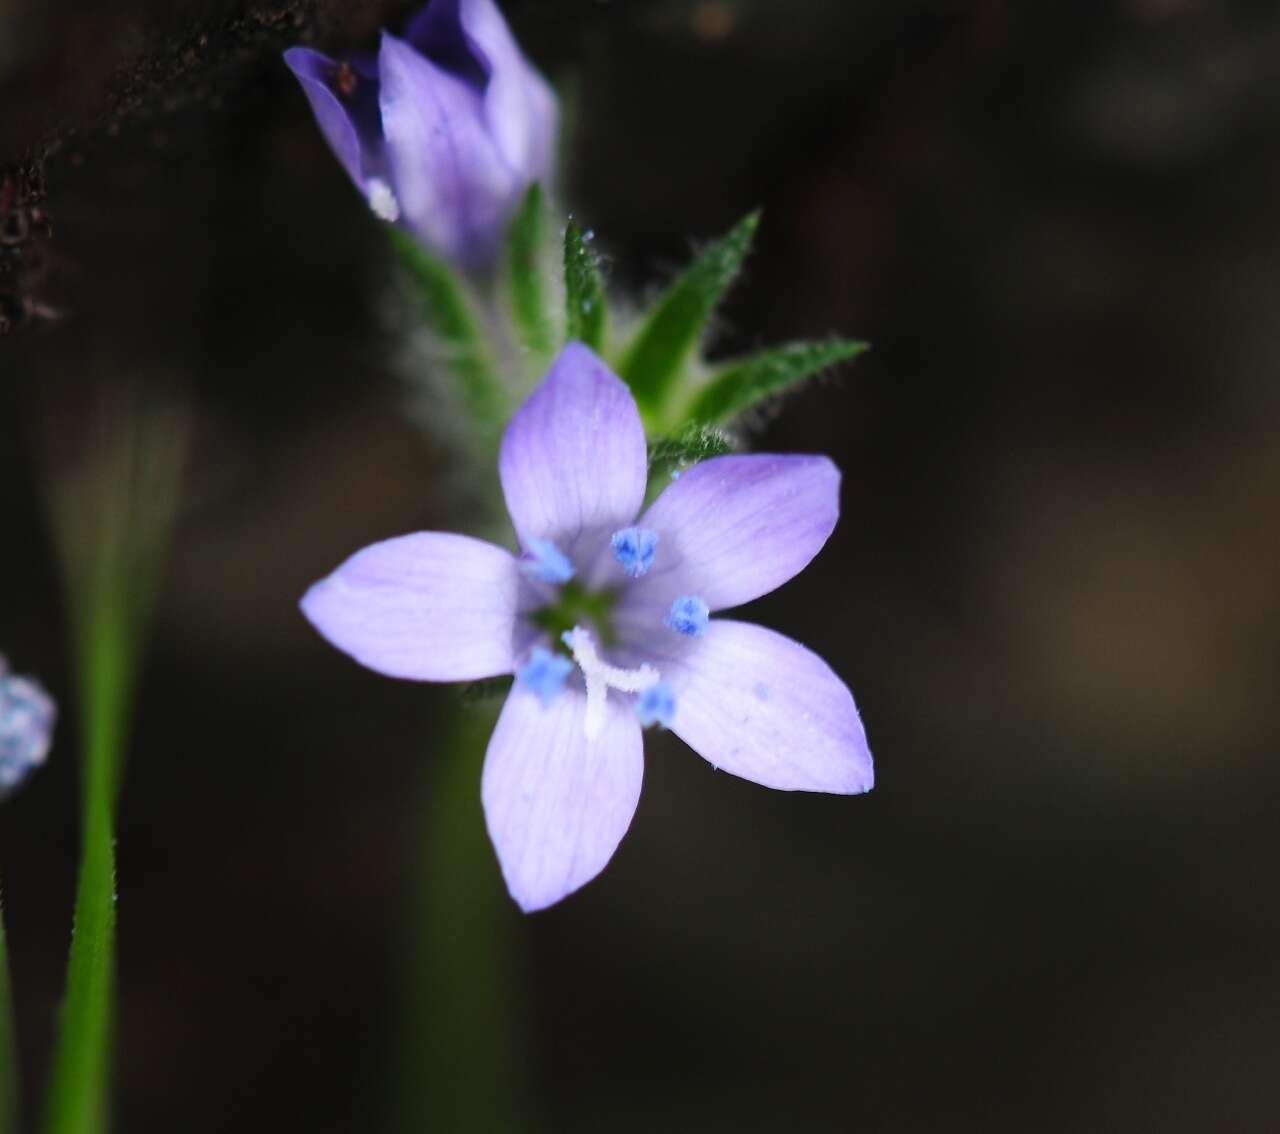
(454, 189)
(573, 457)
(734, 528)
(557, 804)
(351, 127)
(471, 39)
(759, 705)
(518, 104)
(432, 606)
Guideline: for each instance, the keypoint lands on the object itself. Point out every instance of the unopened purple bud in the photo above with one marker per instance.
(444, 131)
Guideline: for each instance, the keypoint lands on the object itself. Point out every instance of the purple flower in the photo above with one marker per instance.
(27, 715)
(443, 130)
(610, 647)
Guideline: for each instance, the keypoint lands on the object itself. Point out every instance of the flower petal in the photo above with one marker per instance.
(351, 128)
(437, 31)
(471, 39)
(432, 606)
(757, 704)
(557, 804)
(734, 528)
(573, 457)
(454, 189)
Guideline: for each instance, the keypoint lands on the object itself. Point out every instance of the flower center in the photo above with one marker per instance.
(576, 606)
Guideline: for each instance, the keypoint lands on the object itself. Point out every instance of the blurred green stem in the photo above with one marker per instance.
(8, 1044)
(459, 1065)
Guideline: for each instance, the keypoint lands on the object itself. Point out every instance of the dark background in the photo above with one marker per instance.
(1053, 589)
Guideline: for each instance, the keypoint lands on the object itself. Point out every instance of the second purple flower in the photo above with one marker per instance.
(442, 131)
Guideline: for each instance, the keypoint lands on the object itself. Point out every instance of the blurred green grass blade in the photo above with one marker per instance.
(79, 1086)
(584, 301)
(658, 354)
(744, 383)
(458, 330)
(114, 512)
(8, 1044)
(525, 279)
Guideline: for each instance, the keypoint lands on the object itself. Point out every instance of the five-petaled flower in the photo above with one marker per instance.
(603, 618)
(443, 130)
(27, 716)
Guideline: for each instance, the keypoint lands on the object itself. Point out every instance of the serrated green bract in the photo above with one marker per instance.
(739, 385)
(584, 301)
(669, 456)
(667, 339)
(524, 281)
(458, 330)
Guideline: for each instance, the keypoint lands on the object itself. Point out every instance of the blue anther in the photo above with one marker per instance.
(546, 563)
(634, 548)
(544, 674)
(27, 715)
(656, 705)
(688, 615)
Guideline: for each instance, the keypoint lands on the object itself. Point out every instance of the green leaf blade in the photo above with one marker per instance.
(584, 299)
(8, 1044)
(744, 383)
(79, 1086)
(458, 329)
(657, 355)
(524, 279)
(80, 1082)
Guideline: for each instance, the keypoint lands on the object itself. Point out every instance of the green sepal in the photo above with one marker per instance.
(669, 456)
(458, 328)
(661, 349)
(524, 279)
(584, 302)
(737, 386)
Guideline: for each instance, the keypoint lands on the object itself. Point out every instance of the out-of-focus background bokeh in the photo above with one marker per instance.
(1054, 588)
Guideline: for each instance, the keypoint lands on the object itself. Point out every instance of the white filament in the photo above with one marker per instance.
(600, 677)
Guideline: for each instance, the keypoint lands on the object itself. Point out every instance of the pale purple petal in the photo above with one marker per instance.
(734, 528)
(351, 128)
(471, 39)
(757, 704)
(432, 606)
(519, 106)
(454, 189)
(573, 458)
(557, 804)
